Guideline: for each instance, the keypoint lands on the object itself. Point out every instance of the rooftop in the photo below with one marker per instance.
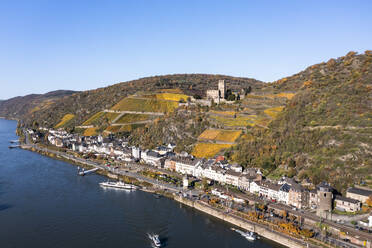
(359, 191)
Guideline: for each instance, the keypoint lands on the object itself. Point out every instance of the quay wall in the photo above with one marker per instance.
(244, 224)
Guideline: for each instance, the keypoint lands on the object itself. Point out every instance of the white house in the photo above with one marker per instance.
(232, 177)
(284, 193)
(254, 187)
(186, 165)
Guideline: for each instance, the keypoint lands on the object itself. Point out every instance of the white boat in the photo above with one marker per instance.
(155, 239)
(251, 236)
(118, 185)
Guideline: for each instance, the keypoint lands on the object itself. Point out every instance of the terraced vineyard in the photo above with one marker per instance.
(145, 105)
(65, 119)
(100, 118)
(208, 150)
(237, 121)
(130, 118)
(90, 131)
(220, 135)
(273, 112)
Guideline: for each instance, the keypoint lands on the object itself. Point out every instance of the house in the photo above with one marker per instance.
(153, 158)
(236, 168)
(284, 193)
(245, 181)
(359, 194)
(297, 196)
(313, 199)
(269, 190)
(136, 152)
(214, 172)
(232, 177)
(58, 142)
(170, 164)
(346, 204)
(162, 150)
(186, 165)
(254, 187)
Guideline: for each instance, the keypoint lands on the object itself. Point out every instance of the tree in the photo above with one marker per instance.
(369, 201)
(231, 97)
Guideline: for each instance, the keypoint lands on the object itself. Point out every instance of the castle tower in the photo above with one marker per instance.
(222, 88)
(325, 198)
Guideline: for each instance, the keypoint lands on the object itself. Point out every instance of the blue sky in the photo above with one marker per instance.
(79, 45)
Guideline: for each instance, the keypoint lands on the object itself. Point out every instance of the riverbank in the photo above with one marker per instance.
(159, 189)
(243, 224)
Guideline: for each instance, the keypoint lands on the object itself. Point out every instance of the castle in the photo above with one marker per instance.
(219, 94)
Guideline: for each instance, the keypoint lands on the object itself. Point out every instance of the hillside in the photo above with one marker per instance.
(84, 104)
(315, 124)
(21, 106)
(325, 130)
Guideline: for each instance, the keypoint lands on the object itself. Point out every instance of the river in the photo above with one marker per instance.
(43, 203)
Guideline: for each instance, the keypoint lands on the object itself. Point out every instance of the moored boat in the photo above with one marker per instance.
(251, 236)
(117, 185)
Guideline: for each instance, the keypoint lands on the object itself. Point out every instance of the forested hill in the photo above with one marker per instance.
(86, 103)
(325, 131)
(20, 106)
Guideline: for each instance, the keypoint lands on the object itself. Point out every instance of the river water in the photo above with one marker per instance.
(43, 203)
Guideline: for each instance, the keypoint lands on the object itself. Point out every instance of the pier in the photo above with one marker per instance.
(84, 172)
(14, 146)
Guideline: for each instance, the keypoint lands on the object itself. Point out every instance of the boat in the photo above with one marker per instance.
(155, 239)
(251, 236)
(118, 185)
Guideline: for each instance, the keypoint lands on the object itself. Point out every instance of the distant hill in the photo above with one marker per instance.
(325, 130)
(21, 106)
(84, 104)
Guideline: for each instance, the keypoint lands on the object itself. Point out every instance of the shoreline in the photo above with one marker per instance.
(265, 232)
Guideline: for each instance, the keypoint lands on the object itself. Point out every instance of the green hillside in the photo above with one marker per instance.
(325, 131)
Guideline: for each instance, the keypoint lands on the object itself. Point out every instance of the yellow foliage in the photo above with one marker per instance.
(226, 113)
(145, 105)
(64, 120)
(280, 81)
(171, 97)
(207, 150)
(287, 95)
(176, 91)
(113, 129)
(220, 135)
(93, 118)
(90, 131)
(273, 112)
(239, 121)
(307, 83)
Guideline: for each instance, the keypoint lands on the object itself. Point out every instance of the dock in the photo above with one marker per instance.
(14, 146)
(84, 172)
(14, 141)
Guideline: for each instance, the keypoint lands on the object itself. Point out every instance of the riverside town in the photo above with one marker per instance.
(178, 124)
(297, 209)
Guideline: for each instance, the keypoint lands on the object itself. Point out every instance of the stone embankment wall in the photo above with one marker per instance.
(244, 224)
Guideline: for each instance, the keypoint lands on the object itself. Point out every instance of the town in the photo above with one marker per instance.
(321, 200)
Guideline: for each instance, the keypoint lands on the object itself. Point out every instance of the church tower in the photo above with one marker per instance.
(222, 88)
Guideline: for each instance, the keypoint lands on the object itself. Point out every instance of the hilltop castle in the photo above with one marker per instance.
(219, 94)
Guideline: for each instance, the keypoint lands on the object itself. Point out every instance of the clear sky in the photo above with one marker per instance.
(79, 45)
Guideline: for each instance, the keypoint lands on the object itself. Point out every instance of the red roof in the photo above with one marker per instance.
(220, 158)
